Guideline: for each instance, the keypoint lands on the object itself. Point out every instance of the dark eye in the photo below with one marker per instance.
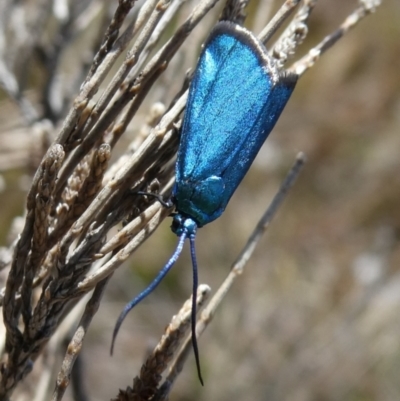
(177, 223)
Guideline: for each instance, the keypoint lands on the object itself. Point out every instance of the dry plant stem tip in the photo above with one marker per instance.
(75, 345)
(306, 62)
(145, 386)
(279, 18)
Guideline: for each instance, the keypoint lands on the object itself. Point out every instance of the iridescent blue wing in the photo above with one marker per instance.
(235, 99)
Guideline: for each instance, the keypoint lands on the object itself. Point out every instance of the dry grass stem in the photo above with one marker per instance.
(52, 355)
(294, 34)
(145, 386)
(75, 345)
(364, 9)
(278, 19)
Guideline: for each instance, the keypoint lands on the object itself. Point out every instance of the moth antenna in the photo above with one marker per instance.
(192, 238)
(149, 289)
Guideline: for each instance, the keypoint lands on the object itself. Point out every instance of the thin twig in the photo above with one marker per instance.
(75, 345)
(365, 8)
(278, 19)
(145, 385)
(52, 354)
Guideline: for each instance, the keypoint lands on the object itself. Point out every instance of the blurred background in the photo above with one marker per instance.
(316, 315)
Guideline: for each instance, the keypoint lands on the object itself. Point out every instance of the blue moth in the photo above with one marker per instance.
(235, 98)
